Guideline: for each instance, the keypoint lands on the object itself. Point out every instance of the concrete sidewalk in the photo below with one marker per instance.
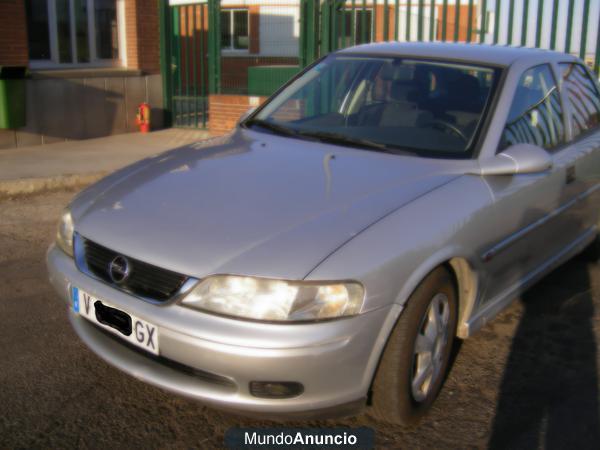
(28, 170)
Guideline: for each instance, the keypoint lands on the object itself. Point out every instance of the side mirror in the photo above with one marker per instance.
(246, 114)
(518, 158)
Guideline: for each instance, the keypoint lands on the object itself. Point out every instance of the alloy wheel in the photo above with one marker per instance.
(430, 346)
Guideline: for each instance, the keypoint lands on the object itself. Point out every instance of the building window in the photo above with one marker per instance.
(74, 32)
(37, 24)
(234, 29)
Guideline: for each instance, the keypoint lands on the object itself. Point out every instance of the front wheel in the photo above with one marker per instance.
(415, 361)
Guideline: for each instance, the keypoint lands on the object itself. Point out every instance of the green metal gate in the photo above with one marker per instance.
(188, 60)
(191, 39)
(571, 26)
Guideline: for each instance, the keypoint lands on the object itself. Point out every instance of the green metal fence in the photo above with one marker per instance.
(188, 61)
(251, 47)
(564, 25)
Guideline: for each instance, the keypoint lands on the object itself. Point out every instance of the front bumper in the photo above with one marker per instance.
(334, 360)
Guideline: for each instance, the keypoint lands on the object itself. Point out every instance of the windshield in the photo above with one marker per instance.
(392, 104)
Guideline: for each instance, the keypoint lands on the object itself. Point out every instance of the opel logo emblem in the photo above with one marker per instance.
(118, 269)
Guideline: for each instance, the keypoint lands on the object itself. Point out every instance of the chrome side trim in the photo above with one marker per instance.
(504, 299)
(79, 254)
(489, 254)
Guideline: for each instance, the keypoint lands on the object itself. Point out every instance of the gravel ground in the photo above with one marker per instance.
(527, 380)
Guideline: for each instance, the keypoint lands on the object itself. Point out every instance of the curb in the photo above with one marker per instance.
(30, 186)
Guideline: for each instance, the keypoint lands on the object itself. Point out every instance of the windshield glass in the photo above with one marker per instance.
(393, 104)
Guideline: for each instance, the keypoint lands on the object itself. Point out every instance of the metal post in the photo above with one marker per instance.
(343, 22)
(214, 46)
(363, 22)
(202, 54)
(569, 26)
(165, 59)
(524, 27)
(194, 56)
(217, 43)
(584, 28)
(326, 27)
(497, 22)
(432, 19)
(177, 68)
(309, 32)
(396, 20)
(554, 24)
(186, 43)
(538, 31)
(386, 21)
(353, 23)
(597, 60)
(444, 19)
(511, 14)
(470, 21)
(420, 20)
(482, 28)
(408, 6)
(333, 21)
(456, 19)
(302, 38)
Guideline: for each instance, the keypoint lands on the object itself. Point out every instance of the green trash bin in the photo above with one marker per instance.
(12, 96)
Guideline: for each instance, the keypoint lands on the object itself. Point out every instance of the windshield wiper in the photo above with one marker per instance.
(279, 129)
(322, 136)
(336, 138)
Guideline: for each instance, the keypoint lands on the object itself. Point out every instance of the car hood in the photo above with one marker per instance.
(250, 203)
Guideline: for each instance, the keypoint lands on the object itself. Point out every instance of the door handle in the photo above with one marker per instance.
(570, 174)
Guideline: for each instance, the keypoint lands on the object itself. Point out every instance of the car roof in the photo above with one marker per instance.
(497, 55)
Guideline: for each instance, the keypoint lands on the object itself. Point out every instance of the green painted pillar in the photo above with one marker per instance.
(326, 27)
(165, 59)
(214, 46)
(309, 32)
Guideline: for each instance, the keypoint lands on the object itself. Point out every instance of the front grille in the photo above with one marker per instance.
(144, 280)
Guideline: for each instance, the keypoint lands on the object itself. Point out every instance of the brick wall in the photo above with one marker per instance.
(13, 33)
(143, 36)
(225, 110)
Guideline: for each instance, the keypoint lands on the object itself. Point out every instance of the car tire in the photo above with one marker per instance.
(394, 398)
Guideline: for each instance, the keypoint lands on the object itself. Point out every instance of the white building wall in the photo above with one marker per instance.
(279, 30)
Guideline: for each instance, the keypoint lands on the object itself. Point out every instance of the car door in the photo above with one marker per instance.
(534, 222)
(582, 154)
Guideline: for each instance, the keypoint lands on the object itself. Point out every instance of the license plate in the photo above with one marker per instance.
(127, 326)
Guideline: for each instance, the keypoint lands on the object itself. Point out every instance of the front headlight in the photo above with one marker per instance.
(64, 235)
(275, 300)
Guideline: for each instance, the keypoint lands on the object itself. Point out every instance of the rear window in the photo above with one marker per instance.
(583, 97)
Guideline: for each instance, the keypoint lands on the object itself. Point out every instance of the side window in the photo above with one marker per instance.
(535, 115)
(583, 97)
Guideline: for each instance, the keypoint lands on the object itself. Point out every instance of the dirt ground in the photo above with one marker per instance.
(527, 380)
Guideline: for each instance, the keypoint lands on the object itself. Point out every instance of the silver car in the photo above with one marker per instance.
(323, 257)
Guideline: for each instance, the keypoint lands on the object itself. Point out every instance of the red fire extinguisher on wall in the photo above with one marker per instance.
(142, 118)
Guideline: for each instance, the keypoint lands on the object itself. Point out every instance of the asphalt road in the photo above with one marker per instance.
(528, 380)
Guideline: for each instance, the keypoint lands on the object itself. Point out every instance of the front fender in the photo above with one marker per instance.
(394, 255)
